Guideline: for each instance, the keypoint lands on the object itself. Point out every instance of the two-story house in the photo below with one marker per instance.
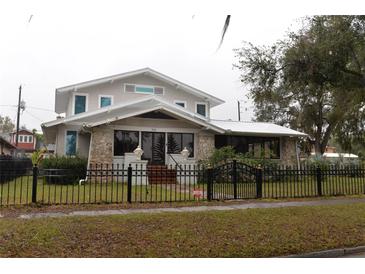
(107, 119)
(26, 140)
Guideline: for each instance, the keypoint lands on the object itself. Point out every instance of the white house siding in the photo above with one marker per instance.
(116, 89)
(82, 143)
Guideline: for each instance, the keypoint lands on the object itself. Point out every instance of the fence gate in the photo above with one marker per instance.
(235, 181)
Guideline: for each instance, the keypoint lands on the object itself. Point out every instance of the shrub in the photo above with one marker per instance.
(11, 168)
(227, 153)
(64, 169)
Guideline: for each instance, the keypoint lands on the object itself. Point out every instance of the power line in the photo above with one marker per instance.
(38, 108)
(35, 117)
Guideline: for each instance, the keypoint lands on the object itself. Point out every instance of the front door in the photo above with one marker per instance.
(153, 145)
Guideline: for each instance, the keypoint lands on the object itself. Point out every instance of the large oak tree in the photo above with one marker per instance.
(312, 80)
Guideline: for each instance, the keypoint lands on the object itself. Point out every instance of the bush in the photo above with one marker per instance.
(227, 153)
(11, 168)
(64, 170)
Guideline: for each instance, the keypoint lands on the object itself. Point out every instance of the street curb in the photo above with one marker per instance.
(332, 253)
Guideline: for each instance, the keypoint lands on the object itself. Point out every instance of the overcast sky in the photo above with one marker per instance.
(68, 42)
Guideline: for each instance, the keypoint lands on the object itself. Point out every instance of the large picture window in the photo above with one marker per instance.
(176, 142)
(125, 141)
(257, 147)
(71, 139)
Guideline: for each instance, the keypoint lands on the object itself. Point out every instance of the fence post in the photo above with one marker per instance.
(34, 185)
(319, 180)
(129, 184)
(210, 183)
(259, 182)
(234, 178)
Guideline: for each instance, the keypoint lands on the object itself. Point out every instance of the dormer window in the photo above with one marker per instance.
(80, 103)
(105, 101)
(201, 108)
(132, 88)
(180, 103)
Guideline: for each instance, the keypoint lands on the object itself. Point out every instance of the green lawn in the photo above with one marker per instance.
(239, 233)
(19, 191)
(292, 188)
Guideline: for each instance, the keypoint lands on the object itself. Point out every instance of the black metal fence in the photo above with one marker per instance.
(23, 184)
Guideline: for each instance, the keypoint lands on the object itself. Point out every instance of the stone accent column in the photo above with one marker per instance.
(101, 146)
(205, 145)
(288, 154)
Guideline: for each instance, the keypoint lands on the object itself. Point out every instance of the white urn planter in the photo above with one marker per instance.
(185, 154)
(138, 152)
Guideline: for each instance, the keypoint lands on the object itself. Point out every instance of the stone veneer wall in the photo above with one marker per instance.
(288, 151)
(205, 145)
(101, 146)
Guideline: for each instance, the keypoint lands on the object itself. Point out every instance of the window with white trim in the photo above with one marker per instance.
(134, 88)
(105, 101)
(201, 108)
(71, 140)
(80, 102)
(180, 103)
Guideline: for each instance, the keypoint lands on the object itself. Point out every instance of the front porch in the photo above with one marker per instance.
(163, 138)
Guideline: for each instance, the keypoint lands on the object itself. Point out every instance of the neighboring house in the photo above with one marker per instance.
(26, 141)
(345, 158)
(106, 119)
(6, 148)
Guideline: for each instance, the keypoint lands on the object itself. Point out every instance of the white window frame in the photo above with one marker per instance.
(20, 139)
(77, 141)
(74, 99)
(180, 101)
(144, 86)
(30, 139)
(108, 96)
(206, 108)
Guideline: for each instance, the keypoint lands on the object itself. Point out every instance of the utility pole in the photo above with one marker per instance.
(18, 117)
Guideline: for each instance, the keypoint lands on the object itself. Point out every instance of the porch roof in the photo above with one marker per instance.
(122, 111)
(256, 128)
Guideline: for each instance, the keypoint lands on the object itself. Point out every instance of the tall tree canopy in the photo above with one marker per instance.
(312, 80)
(6, 125)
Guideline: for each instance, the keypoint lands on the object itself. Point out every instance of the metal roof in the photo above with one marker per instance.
(256, 128)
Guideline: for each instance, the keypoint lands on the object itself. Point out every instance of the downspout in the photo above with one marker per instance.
(87, 129)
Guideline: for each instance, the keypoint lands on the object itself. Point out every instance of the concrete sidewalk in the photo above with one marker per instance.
(194, 208)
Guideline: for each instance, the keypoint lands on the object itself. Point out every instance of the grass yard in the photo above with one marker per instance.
(239, 233)
(19, 191)
(304, 187)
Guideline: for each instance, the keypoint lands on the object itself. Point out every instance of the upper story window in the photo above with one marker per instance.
(180, 103)
(105, 101)
(132, 88)
(24, 138)
(201, 108)
(80, 103)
